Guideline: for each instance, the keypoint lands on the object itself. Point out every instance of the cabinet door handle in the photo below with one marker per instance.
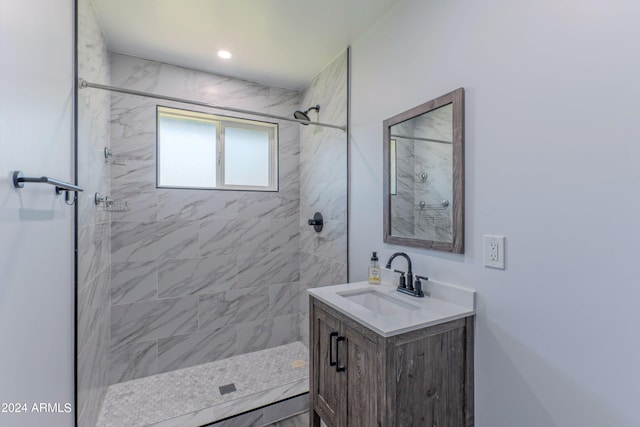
(332, 335)
(338, 367)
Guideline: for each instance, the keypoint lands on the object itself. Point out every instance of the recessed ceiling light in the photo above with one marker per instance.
(224, 54)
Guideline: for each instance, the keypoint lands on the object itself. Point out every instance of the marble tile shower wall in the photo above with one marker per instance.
(94, 243)
(323, 184)
(197, 275)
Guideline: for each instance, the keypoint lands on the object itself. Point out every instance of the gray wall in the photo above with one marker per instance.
(94, 235)
(197, 275)
(36, 227)
(323, 183)
(552, 163)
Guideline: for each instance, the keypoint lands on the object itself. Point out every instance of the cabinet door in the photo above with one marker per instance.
(359, 358)
(430, 381)
(329, 387)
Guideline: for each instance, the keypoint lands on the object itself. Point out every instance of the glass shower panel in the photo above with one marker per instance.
(194, 279)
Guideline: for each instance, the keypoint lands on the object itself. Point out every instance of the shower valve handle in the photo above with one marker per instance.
(317, 222)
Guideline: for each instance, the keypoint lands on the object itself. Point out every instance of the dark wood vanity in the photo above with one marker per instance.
(418, 378)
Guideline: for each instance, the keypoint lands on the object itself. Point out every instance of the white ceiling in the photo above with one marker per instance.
(283, 43)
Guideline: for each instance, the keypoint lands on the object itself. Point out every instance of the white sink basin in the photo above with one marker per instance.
(377, 302)
(387, 312)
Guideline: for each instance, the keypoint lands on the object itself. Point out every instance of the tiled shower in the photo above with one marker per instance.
(197, 275)
(178, 278)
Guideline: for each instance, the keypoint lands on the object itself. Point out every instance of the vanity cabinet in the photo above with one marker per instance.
(344, 370)
(360, 378)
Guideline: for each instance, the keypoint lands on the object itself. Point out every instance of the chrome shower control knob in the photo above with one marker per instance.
(98, 198)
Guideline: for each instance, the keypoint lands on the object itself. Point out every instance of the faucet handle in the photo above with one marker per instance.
(418, 286)
(402, 282)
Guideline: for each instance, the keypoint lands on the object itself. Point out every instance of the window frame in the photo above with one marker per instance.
(221, 122)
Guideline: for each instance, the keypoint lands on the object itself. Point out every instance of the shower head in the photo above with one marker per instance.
(303, 115)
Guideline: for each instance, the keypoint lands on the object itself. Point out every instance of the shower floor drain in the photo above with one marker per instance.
(228, 388)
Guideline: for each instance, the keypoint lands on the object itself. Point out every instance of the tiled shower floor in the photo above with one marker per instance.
(191, 396)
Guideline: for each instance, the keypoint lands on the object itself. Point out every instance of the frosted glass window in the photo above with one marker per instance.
(246, 157)
(200, 150)
(186, 152)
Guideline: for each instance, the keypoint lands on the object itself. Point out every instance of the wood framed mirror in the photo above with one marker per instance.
(424, 175)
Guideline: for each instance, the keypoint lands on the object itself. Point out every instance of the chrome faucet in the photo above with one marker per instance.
(406, 287)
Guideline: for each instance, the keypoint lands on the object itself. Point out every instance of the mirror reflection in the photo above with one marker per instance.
(423, 149)
(422, 176)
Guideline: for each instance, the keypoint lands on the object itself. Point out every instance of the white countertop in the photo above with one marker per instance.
(443, 302)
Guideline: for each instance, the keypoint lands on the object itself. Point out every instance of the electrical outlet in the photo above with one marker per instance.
(493, 251)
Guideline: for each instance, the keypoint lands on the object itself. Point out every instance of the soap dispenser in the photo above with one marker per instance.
(374, 270)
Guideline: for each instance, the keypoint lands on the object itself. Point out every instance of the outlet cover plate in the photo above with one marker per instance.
(493, 251)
